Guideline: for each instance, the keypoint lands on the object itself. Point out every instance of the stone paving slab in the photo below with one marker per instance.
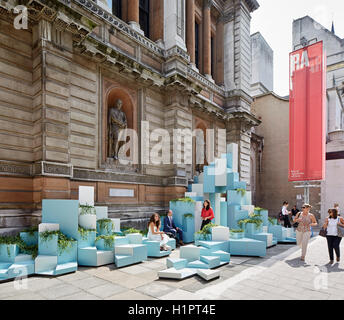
(280, 275)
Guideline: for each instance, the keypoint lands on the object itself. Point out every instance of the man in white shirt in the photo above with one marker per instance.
(285, 214)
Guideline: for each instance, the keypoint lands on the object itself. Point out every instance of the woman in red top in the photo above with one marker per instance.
(207, 213)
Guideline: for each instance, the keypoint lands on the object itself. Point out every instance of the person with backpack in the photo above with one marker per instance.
(285, 214)
(333, 240)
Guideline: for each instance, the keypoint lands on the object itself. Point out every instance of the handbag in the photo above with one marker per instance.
(340, 231)
(323, 232)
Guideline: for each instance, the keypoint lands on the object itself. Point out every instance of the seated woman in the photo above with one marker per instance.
(155, 234)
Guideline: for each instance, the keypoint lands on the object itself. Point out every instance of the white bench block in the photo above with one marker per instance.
(45, 263)
(234, 150)
(105, 257)
(220, 233)
(173, 273)
(190, 194)
(208, 274)
(42, 227)
(190, 253)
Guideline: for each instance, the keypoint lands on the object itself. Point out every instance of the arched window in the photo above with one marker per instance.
(144, 16)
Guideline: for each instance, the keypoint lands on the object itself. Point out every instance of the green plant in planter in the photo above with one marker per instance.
(87, 209)
(109, 240)
(31, 231)
(237, 231)
(84, 232)
(132, 230)
(16, 240)
(256, 221)
(64, 243)
(243, 191)
(188, 215)
(206, 231)
(272, 221)
(255, 216)
(187, 199)
(105, 222)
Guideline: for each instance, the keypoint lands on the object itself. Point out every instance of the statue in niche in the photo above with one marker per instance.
(117, 123)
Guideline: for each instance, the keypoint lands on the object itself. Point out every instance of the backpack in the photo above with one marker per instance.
(280, 216)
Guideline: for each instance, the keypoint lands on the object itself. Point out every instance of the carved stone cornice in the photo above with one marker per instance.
(245, 119)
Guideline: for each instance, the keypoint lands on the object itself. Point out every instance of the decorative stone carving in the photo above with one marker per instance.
(117, 122)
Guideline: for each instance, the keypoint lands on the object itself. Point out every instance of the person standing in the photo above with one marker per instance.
(336, 206)
(207, 213)
(333, 241)
(169, 226)
(285, 214)
(305, 220)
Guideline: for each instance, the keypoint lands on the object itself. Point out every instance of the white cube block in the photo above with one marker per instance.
(248, 208)
(198, 189)
(42, 227)
(45, 263)
(269, 240)
(265, 229)
(116, 225)
(101, 212)
(88, 221)
(220, 233)
(197, 215)
(234, 150)
(190, 194)
(221, 172)
(86, 195)
(190, 253)
(208, 274)
(105, 257)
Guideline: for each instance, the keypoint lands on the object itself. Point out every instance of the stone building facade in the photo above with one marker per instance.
(174, 64)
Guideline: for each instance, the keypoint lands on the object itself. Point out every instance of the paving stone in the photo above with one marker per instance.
(179, 294)
(88, 283)
(130, 295)
(59, 291)
(80, 296)
(155, 289)
(136, 269)
(106, 290)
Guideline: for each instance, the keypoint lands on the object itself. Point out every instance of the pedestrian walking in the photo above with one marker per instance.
(336, 206)
(333, 241)
(305, 220)
(285, 214)
(207, 213)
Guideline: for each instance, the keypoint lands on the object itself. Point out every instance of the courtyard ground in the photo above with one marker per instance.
(280, 275)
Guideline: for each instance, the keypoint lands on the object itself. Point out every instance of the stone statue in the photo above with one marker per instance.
(117, 122)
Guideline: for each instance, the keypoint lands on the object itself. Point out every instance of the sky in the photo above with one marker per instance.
(274, 21)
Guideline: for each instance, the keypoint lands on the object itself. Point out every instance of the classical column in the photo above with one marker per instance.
(219, 52)
(207, 39)
(157, 20)
(190, 29)
(134, 15)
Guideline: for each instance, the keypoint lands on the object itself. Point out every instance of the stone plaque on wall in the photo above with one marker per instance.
(121, 192)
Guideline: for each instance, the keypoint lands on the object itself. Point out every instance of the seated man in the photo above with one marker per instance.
(170, 227)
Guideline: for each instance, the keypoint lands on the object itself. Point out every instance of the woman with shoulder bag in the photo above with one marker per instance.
(333, 240)
(305, 221)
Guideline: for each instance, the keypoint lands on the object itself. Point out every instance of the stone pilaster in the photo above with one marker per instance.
(237, 47)
(190, 29)
(239, 131)
(207, 39)
(174, 28)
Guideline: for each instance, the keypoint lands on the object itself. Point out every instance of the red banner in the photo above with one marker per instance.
(307, 117)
